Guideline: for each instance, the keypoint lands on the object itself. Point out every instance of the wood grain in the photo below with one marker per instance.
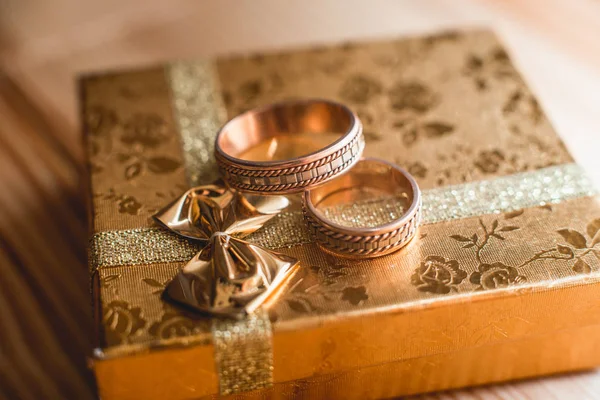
(45, 318)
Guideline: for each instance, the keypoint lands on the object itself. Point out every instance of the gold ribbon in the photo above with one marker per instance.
(199, 112)
(243, 349)
(508, 193)
(229, 277)
(243, 353)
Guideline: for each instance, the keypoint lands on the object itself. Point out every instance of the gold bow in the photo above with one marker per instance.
(228, 277)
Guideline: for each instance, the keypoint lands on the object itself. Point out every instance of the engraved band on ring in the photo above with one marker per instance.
(315, 118)
(370, 175)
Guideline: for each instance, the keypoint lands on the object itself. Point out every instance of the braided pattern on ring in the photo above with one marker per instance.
(288, 186)
(342, 243)
(354, 149)
(286, 171)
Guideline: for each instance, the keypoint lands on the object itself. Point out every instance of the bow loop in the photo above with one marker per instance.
(205, 210)
(229, 277)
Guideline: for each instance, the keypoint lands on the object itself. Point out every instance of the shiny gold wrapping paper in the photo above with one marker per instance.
(472, 300)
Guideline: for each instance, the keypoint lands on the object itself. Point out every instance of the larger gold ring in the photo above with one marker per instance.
(373, 210)
(289, 147)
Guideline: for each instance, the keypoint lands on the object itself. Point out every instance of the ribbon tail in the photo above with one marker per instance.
(262, 272)
(233, 279)
(279, 268)
(192, 285)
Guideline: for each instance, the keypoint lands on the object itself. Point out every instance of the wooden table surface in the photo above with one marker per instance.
(44, 299)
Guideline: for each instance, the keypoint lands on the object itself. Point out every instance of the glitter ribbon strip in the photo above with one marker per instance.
(199, 112)
(508, 193)
(139, 246)
(243, 349)
(243, 353)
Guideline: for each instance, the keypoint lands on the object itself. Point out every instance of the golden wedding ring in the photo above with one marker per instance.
(373, 210)
(289, 147)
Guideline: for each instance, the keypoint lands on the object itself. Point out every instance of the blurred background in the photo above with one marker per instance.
(45, 312)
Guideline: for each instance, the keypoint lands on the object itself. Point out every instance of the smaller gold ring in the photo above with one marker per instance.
(289, 147)
(392, 191)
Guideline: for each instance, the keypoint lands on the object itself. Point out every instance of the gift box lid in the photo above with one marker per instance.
(507, 254)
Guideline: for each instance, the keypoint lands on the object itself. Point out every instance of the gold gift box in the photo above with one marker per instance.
(494, 288)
